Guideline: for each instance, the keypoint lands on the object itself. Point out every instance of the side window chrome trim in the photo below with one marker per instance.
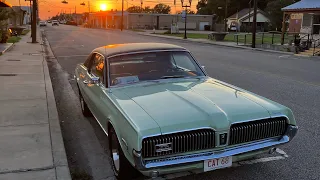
(104, 68)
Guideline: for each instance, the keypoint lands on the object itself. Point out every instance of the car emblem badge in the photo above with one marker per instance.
(223, 139)
(163, 147)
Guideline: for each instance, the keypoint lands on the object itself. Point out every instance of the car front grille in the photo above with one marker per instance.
(256, 130)
(178, 143)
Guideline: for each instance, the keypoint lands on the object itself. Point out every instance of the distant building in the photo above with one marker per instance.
(112, 19)
(304, 17)
(242, 20)
(22, 16)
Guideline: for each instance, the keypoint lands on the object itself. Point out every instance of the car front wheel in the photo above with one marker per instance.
(121, 167)
(84, 107)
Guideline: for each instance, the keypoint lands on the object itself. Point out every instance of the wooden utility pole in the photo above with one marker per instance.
(34, 22)
(283, 30)
(254, 25)
(122, 16)
(225, 17)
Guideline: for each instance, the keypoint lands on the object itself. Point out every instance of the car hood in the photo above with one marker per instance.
(192, 104)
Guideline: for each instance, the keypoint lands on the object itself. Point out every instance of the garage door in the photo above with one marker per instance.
(202, 24)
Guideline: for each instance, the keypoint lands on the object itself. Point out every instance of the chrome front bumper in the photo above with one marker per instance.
(145, 164)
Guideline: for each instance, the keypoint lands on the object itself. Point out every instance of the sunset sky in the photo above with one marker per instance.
(48, 8)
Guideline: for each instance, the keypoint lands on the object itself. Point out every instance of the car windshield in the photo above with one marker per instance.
(133, 68)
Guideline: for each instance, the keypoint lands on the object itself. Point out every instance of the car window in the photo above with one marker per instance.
(133, 68)
(97, 66)
(182, 61)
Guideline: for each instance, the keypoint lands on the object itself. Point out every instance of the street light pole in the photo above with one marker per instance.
(185, 18)
(122, 16)
(34, 22)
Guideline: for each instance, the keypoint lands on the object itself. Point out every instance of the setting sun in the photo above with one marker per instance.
(103, 7)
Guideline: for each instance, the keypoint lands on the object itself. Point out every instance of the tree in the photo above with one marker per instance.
(162, 9)
(209, 7)
(4, 15)
(275, 13)
(134, 9)
(147, 9)
(188, 12)
(203, 8)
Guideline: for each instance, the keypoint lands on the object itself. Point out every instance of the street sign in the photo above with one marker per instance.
(183, 14)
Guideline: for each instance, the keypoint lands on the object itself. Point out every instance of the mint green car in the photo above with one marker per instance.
(163, 114)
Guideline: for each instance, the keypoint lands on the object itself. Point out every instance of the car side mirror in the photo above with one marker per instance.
(95, 80)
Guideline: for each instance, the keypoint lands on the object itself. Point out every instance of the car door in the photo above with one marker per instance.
(95, 91)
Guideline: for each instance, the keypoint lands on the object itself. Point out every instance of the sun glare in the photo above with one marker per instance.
(103, 7)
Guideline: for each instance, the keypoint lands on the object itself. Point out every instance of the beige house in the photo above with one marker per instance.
(243, 19)
(112, 19)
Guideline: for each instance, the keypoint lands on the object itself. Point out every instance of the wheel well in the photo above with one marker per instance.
(109, 128)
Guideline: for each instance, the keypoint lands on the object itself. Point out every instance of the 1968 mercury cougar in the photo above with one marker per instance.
(163, 113)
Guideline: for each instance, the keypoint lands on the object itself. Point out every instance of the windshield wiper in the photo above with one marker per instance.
(169, 77)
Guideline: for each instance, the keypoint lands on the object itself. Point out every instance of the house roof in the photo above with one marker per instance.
(3, 3)
(24, 8)
(244, 12)
(241, 13)
(303, 4)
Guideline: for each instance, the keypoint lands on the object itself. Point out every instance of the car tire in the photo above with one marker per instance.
(121, 167)
(84, 107)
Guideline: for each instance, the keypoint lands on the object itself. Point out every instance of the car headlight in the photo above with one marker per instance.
(291, 131)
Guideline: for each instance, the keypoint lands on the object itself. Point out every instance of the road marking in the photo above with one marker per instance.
(72, 56)
(284, 56)
(55, 47)
(280, 151)
(282, 155)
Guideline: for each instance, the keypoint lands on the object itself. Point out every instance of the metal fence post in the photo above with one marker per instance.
(314, 48)
(308, 42)
(237, 39)
(245, 39)
(273, 37)
(262, 37)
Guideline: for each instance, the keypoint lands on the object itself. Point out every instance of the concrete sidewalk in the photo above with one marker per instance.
(30, 136)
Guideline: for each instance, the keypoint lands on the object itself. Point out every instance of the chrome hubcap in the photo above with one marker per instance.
(115, 154)
(115, 157)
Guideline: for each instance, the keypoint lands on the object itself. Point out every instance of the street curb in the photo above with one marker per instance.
(215, 44)
(60, 161)
(7, 49)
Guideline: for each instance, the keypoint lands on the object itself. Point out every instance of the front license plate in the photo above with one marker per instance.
(219, 163)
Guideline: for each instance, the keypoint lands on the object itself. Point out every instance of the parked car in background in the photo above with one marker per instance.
(43, 23)
(49, 21)
(55, 23)
(62, 22)
(163, 114)
(73, 23)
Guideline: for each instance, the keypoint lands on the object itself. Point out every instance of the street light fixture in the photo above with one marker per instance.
(185, 18)
(84, 4)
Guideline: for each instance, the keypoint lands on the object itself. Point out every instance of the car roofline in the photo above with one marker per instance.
(146, 51)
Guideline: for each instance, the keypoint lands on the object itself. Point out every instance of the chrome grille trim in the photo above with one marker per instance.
(180, 142)
(256, 130)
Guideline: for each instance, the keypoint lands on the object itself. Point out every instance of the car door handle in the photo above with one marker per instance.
(85, 82)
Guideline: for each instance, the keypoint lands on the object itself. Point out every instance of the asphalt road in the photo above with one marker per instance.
(289, 80)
